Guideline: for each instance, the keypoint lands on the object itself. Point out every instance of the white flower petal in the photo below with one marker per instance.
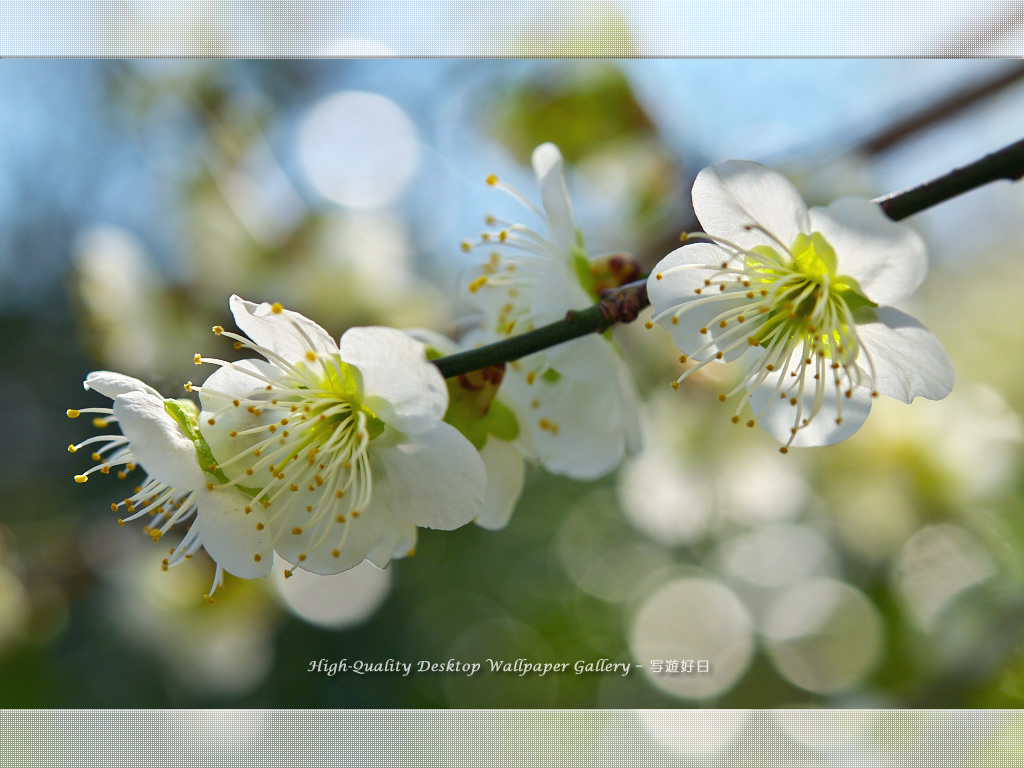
(588, 358)
(822, 430)
(397, 540)
(733, 196)
(158, 443)
(557, 290)
(231, 537)
(405, 390)
(908, 360)
(314, 551)
(678, 287)
(886, 258)
(578, 429)
(548, 165)
(505, 474)
(287, 333)
(434, 479)
(112, 384)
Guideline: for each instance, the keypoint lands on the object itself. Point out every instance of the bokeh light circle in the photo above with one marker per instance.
(358, 149)
(823, 635)
(693, 619)
(337, 601)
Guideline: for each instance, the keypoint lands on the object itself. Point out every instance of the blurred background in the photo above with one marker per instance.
(136, 196)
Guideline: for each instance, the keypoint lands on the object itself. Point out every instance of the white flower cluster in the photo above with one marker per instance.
(329, 454)
(803, 298)
(576, 402)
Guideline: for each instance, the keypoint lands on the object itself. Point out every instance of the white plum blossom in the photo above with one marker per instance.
(804, 298)
(342, 445)
(159, 436)
(577, 401)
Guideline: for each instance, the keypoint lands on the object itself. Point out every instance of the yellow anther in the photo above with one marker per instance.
(73, 414)
(257, 557)
(276, 308)
(248, 510)
(302, 558)
(675, 385)
(259, 526)
(188, 386)
(296, 531)
(659, 276)
(98, 423)
(211, 422)
(287, 574)
(81, 478)
(163, 564)
(71, 449)
(340, 518)
(750, 423)
(311, 356)
(531, 377)
(683, 358)
(503, 235)
(478, 283)
(197, 359)
(675, 321)
(466, 246)
(735, 419)
(218, 329)
(491, 180)
(120, 522)
(96, 456)
(335, 553)
(208, 599)
(155, 534)
(209, 486)
(783, 449)
(721, 398)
